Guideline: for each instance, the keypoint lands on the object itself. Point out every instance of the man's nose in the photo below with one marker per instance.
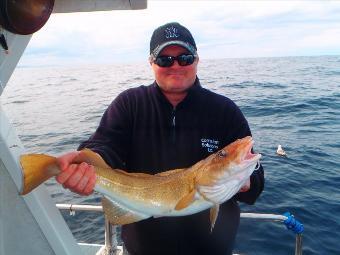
(175, 64)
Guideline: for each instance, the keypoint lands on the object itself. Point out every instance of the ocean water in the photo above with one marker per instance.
(292, 101)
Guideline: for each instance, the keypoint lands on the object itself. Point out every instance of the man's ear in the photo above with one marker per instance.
(150, 60)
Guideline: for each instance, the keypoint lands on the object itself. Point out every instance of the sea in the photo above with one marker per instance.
(291, 101)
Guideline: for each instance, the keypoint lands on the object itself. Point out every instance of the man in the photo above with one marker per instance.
(172, 123)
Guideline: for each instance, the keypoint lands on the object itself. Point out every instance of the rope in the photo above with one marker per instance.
(293, 224)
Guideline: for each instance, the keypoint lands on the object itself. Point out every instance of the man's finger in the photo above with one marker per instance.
(246, 186)
(65, 174)
(91, 183)
(74, 179)
(85, 179)
(65, 160)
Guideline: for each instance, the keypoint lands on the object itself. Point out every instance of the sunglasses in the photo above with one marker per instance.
(167, 61)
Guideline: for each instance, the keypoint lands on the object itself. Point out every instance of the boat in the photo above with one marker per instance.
(33, 224)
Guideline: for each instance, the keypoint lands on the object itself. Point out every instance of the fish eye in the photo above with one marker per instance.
(222, 153)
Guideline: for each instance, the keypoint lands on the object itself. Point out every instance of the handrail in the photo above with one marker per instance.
(287, 218)
(109, 248)
(72, 207)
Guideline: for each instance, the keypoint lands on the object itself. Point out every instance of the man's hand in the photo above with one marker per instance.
(79, 178)
(245, 187)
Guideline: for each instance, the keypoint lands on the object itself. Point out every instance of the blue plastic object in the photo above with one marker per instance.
(293, 224)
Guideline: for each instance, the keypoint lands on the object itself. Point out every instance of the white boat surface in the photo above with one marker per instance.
(32, 224)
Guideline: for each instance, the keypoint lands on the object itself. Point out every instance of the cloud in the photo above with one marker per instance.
(221, 29)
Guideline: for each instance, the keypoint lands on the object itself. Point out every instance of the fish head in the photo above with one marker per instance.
(239, 153)
(232, 159)
(226, 171)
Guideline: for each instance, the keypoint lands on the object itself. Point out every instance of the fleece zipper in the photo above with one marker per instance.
(173, 125)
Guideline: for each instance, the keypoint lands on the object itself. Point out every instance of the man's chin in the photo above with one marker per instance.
(178, 89)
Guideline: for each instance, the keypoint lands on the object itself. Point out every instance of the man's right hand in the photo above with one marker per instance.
(79, 178)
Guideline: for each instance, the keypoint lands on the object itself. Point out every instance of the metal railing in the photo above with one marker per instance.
(277, 218)
(109, 248)
(109, 229)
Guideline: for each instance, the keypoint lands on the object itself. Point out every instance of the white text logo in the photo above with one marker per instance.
(210, 144)
(171, 32)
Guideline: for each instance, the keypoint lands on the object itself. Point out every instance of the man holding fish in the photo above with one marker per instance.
(173, 124)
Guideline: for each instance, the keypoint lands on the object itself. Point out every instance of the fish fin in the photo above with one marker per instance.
(118, 214)
(36, 168)
(174, 171)
(213, 215)
(91, 157)
(186, 200)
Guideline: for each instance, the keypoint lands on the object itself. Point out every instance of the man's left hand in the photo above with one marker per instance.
(245, 187)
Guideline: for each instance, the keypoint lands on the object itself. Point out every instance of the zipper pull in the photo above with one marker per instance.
(174, 117)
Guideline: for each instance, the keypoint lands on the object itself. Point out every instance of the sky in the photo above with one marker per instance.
(222, 29)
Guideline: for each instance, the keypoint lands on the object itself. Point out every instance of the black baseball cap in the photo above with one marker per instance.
(171, 33)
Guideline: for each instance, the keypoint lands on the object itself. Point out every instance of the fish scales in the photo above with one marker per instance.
(147, 189)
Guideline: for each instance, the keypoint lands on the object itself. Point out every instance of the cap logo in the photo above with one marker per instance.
(171, 32)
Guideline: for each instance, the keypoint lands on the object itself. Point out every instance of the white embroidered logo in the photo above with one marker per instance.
(210, 144)
(171, 32)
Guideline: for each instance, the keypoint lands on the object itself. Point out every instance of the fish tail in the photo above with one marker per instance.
(37, 168)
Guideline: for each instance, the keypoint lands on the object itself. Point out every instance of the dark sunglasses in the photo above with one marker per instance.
(167, 61)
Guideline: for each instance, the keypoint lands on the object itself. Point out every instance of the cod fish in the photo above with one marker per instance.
(131, 197)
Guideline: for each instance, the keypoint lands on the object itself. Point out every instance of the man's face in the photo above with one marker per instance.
(176, 78)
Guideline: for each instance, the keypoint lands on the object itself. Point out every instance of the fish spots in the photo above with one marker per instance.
(103, 182)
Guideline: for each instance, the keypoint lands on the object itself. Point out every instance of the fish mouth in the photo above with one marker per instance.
(249, 156)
